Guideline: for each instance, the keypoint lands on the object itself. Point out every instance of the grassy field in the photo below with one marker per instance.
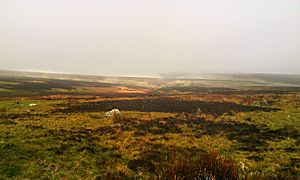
(56, 129)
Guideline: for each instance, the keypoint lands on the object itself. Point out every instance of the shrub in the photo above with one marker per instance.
(204, 166)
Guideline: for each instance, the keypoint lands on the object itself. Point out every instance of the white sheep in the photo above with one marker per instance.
(112, 113)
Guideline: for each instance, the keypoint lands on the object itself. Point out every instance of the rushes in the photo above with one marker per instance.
(208, 165)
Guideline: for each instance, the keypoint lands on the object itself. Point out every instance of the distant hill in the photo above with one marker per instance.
(255, 78)
(176, 80)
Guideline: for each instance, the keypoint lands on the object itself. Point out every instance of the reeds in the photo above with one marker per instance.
(208, 166)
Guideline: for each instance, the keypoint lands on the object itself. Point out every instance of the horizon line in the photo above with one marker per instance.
(160, 76)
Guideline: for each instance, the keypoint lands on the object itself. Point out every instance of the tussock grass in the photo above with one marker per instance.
(209, 165)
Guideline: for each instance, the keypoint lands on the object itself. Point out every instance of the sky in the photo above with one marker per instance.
(142, 37)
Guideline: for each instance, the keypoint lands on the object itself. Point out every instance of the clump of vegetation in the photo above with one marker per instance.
(118, 118)
(208, 165)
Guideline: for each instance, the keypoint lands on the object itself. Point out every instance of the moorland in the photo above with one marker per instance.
(53, 126)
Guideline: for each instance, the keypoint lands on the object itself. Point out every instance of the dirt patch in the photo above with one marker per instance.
(164, 105)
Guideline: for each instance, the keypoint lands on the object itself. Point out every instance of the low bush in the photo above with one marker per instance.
(208, 166)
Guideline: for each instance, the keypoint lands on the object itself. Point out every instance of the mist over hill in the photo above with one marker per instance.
(176, 79)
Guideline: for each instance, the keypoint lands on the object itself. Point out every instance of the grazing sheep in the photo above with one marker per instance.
(113, 112)
(32, 104)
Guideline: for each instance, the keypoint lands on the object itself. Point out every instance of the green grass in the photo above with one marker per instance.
(45, 143)
(2, 90)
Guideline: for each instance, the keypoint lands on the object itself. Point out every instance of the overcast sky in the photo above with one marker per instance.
(149, 37)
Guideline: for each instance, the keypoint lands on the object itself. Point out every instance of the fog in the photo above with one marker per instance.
(139, 37)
